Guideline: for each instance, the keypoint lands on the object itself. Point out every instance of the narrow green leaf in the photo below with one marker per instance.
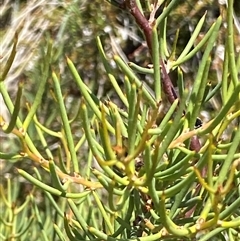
(45, 129)
(68, 230)
(198, 101)
(225, 81)
(166, 11)
(148, 160)
(153, 192)
(160, 129)
(66, 125)
(62, 165)
(10, 60)
(41, 88)
(229, 159)
(110, 73)
(106, 217)
(180, 83)
(26, 228)
(214, 28)
(191, 41)
(55, 178)
(87, 130)
(134, 105)
(199, 87)
(38, 183)
(156, 64)
(118, 119)
(44, 142)
(139, 69)
(175, 127)
(59, 233)
(125, 223)
(134, 79)
(171, 227)
(19, 124)
(16, 109)
(39, 221)
(223, 112)
(177, 166)
(230, 42)
(80, 219)
(211, 93)
(86, 93)
(105, 138)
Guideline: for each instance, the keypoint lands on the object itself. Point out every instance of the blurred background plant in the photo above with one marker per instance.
(78, 173)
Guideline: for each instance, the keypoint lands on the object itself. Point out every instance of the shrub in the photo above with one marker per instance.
(130, 166)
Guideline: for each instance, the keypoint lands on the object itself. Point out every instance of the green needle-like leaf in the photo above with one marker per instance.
(5, 70)
(66, 125)
(41, 88)
(16, 110)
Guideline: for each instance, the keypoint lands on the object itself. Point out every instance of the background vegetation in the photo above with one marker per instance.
(61, 185)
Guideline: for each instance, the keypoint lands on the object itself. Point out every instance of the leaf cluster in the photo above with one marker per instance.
(122, 168)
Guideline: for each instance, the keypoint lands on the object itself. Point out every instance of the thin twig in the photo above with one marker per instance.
(141, 21)
(167, 84)
(168, 87)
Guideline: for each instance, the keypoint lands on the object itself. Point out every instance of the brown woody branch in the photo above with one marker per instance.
(146, 26)
(141, 21)
(168, 88)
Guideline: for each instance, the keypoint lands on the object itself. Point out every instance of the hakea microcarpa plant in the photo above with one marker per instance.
(141, 178)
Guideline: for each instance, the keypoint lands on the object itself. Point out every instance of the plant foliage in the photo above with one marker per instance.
(137, 165)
